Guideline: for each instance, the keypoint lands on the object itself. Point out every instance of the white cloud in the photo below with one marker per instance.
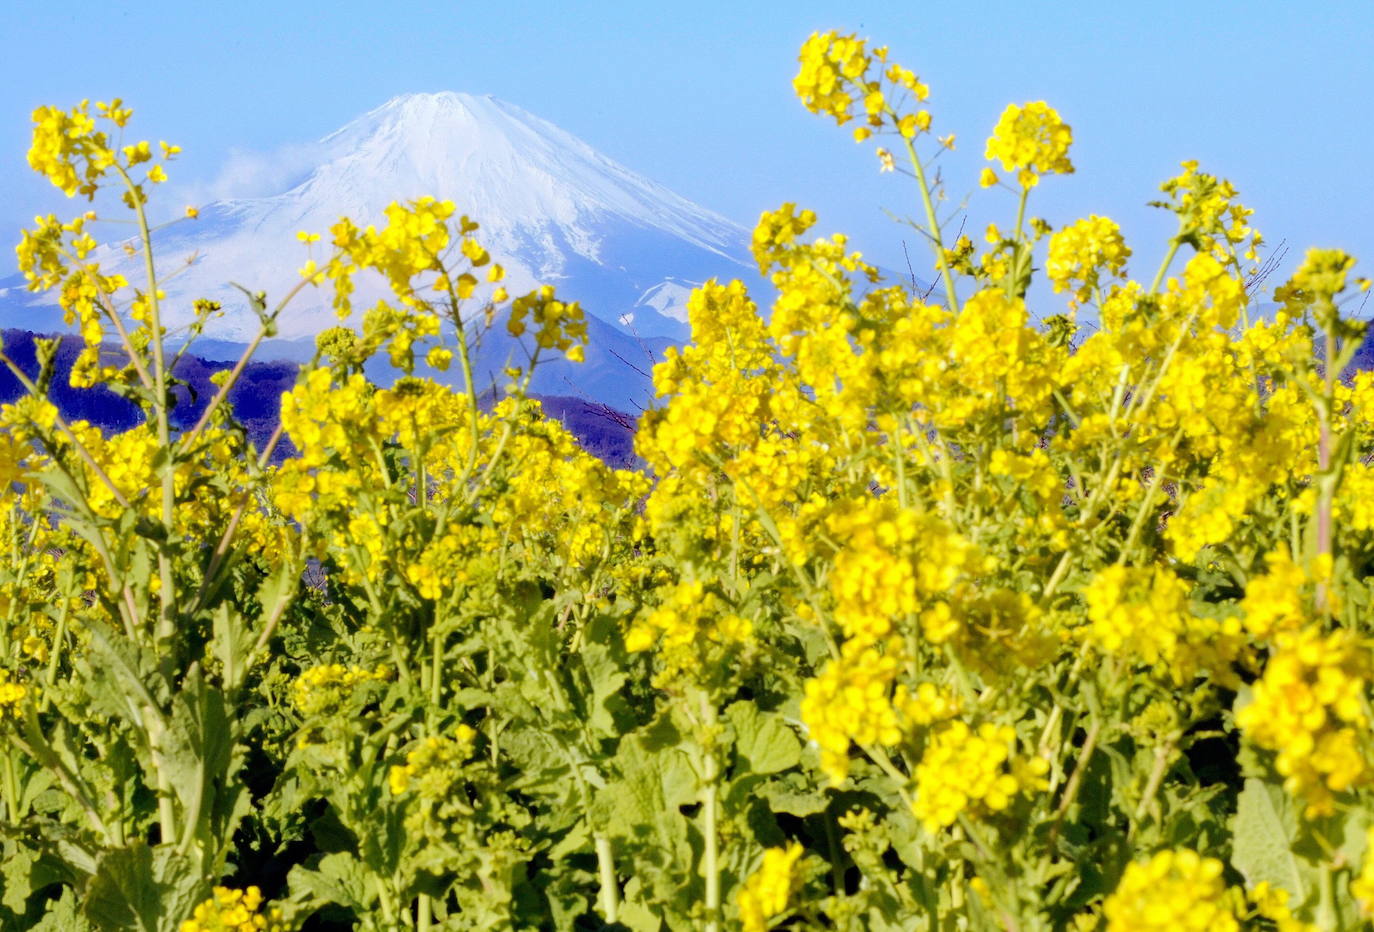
(247, 173)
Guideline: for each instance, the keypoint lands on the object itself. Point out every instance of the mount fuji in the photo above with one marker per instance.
(552, 210)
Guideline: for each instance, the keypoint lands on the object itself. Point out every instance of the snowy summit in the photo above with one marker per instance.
(551, 208)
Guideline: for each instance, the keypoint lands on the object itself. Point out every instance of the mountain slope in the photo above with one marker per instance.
(552, 210)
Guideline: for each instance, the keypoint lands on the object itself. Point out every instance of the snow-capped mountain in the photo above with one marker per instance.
(552, 210)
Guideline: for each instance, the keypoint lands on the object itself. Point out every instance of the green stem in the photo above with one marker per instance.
(1161, 766)
(1326, 484)
(384, 902)
(832, 840)
(1328, 917)
(1164, 266)
(436, 668)
(1145, 504)
(1017, 237)
(710, 779)
(1075, 779)
(11, 788)
(166, 622)
(610, 889)
(933, 224)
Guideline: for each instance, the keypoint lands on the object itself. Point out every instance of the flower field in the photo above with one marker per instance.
(929, 611)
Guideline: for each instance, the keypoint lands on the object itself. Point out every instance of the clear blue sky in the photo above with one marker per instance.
(1276, 96)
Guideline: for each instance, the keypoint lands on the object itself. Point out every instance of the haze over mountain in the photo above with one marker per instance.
(552, 210)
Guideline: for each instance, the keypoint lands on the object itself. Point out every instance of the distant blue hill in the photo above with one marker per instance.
(603, 431)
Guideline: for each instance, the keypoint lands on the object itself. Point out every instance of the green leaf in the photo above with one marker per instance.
(607, 709)
(795, 794)
(24, 874)
(63, 915)
(654, 779)
(141, 888)
(763, 741)
(340, 878)
(203, 767)
(1264, 831)
(230, 645)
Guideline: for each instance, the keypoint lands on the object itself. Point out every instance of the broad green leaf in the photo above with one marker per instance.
(139, 888)
(202, 765)
(1264, 830)
(63, 915)
(338, 878)
(605, 668)
(654, 779)
(23, 875)
(794, 794)
(763, 741)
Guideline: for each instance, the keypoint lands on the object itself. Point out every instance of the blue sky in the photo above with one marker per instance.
(1273, 95)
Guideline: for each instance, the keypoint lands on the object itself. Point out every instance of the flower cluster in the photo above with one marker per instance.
(1176, 889)
(323, 690)
(12, 696)
(972, 772)
(1210, 219)
(893, 560)
(1082, 252)
(557, 325)
(1310, 707)
(691, 624)
(1142, 615)
(767, 891)
(1279, 599)
(232, 910)
(413, 241)
(1031, 140)
(71, 153)
(431, 767)
(855, 699)
(838, 79)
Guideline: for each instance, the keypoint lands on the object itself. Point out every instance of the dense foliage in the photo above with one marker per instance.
(923, 614)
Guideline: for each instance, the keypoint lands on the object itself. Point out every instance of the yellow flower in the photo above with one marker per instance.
(831, 65)
(1081, 252)
(974, 772)
(439, 357)
(1309, 707)
(1031, 140)
(434, 765)
(322, 690)
(230, 910)
(765, 894)
(192, 212)
(12, 697)
(1209, 217)
(1319, 279)
(852, 701)
(688, 624)
(1142, 614)
(558, 325)
(1277, 600)
(1174, 890)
